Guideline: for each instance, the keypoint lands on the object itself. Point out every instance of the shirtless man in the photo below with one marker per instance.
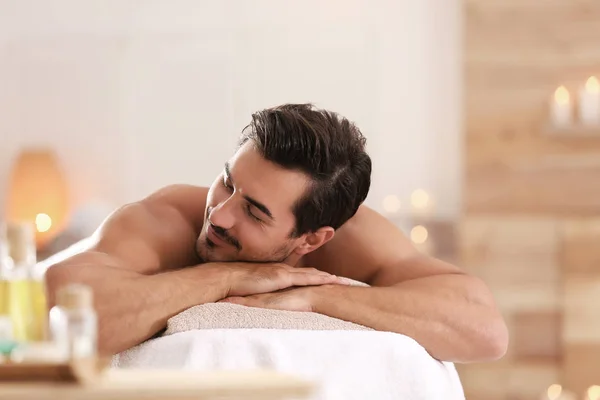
(277, 229)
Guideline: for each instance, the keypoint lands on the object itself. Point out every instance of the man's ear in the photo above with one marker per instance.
(314, 240)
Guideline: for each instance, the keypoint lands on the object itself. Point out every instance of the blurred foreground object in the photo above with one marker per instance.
(22, 292)
(73, 322)
(133, 384)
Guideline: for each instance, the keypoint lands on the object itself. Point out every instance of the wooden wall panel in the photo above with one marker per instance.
(536, 337)
(517, 53)
(581, 247)
(582, 310)
(527, 381)
(516, 257)
(580, 367)
(485, 382)
(531, 226)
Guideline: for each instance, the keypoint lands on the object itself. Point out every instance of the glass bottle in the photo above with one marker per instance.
(73, 321)
(27, 294)
(7, 339)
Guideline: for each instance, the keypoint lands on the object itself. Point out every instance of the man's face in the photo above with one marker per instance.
(249, 211)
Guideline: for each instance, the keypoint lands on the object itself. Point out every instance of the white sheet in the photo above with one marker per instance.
(343, 364)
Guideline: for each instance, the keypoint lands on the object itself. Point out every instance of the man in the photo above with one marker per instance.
(277, 229)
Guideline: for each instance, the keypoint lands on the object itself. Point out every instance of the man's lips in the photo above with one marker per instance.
(212, 235)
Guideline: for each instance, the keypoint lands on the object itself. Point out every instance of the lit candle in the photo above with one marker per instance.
(593, 393)
(560, 108)
(589, 102)
(556, 392)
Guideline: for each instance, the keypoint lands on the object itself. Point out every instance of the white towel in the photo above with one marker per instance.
(345, 360)
(343, 364)
(235, 316)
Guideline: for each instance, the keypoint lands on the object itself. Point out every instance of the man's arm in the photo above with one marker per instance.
(450, 313)
(127, 262)
(139, 267)
(447, 314)
(132, 307)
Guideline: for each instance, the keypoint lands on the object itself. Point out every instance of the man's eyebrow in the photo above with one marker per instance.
(264, 209)
(228, 172)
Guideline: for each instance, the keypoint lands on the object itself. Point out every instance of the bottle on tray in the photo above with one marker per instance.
(74, 323)
(23, 307)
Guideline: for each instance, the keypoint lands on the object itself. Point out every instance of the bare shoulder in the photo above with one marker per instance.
(363, 246)
(156, 233)
(189, 200)
(371, 249)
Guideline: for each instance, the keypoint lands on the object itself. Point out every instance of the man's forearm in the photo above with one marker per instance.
(142, 308)
(435, 311)
(132, 307)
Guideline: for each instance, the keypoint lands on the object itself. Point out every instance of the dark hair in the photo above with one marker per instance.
(328, 148)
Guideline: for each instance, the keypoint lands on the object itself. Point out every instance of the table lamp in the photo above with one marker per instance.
(37, 193)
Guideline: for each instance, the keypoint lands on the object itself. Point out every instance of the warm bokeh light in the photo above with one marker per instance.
(38, 190)
(419, 234)
(593, 392)
(43, 222)
(592, 85)
(561, 96)
(391, 204)
(419, 199)
(554, 392)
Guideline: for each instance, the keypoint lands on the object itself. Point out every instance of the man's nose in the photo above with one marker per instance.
(223, 214)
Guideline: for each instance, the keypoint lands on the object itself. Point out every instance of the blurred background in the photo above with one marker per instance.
(482, 119)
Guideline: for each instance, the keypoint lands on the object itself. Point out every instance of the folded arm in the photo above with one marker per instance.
(132, 265)
(451, 314)
(142, 268)
(132, 307)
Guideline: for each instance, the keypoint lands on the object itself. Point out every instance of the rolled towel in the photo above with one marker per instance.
(235, 316)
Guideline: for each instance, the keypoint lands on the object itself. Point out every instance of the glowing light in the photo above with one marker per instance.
(592, 85)
(419, 234)
(554, 392)
(561, 95)
(391, 204)
(594, 392)
(419, 199)
(43, 222)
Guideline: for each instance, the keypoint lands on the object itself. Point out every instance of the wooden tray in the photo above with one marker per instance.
(131, 384)
(78, 371)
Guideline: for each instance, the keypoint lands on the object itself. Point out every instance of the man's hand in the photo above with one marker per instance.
(244, 279)
(292, 299)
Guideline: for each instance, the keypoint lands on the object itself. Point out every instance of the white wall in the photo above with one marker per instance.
(135, 95)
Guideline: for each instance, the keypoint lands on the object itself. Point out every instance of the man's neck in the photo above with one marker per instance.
(295, 261)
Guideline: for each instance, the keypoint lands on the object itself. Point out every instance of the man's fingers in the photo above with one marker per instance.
(344, 281)
(309, 278)
(233, 300)
(248, 301)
